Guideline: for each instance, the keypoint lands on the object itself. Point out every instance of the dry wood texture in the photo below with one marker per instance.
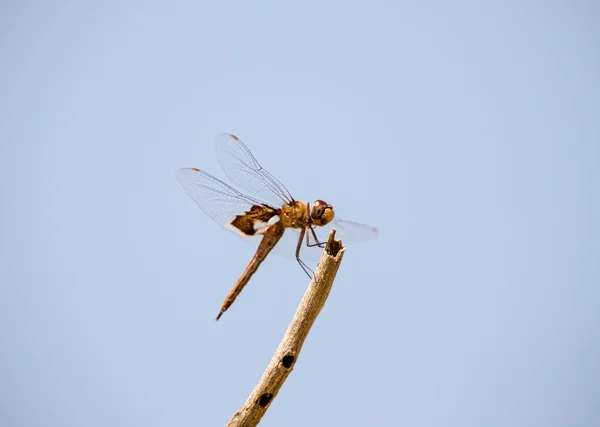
(287, 353)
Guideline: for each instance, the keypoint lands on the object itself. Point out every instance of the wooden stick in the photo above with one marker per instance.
(284, 359)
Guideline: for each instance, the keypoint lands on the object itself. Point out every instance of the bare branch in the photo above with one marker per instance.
(284, 359)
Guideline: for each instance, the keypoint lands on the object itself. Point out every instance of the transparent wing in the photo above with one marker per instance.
(218, 200)
(350, 230)
(244, 170)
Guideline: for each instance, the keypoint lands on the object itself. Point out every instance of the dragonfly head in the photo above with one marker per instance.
(321, 213)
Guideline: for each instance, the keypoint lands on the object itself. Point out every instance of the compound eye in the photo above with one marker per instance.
(317, 209)
(321, 213)
(318, 212)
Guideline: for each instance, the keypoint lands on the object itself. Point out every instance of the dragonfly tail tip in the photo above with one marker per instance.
(219, 315)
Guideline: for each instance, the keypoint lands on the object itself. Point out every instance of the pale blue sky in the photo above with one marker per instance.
(467, 133)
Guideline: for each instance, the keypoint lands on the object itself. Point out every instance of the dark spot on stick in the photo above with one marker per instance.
(265, 399)
(288, 361)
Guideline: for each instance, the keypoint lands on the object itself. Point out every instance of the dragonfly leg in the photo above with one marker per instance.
(317, 243)
(305, 267)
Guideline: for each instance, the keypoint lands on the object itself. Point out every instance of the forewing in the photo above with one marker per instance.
(218, 200)
(244, 170)
(350, 230)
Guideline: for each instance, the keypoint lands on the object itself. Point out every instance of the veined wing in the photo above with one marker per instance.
(350, 230)
(222, 202)
(244, 170)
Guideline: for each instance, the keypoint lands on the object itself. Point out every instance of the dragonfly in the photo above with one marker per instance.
(267, 213)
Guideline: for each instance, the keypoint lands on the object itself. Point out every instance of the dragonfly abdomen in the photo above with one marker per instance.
(268, 242)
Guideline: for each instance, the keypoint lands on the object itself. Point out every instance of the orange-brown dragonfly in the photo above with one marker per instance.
(269, 213)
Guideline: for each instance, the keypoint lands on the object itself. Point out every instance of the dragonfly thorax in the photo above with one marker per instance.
(295, 215)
